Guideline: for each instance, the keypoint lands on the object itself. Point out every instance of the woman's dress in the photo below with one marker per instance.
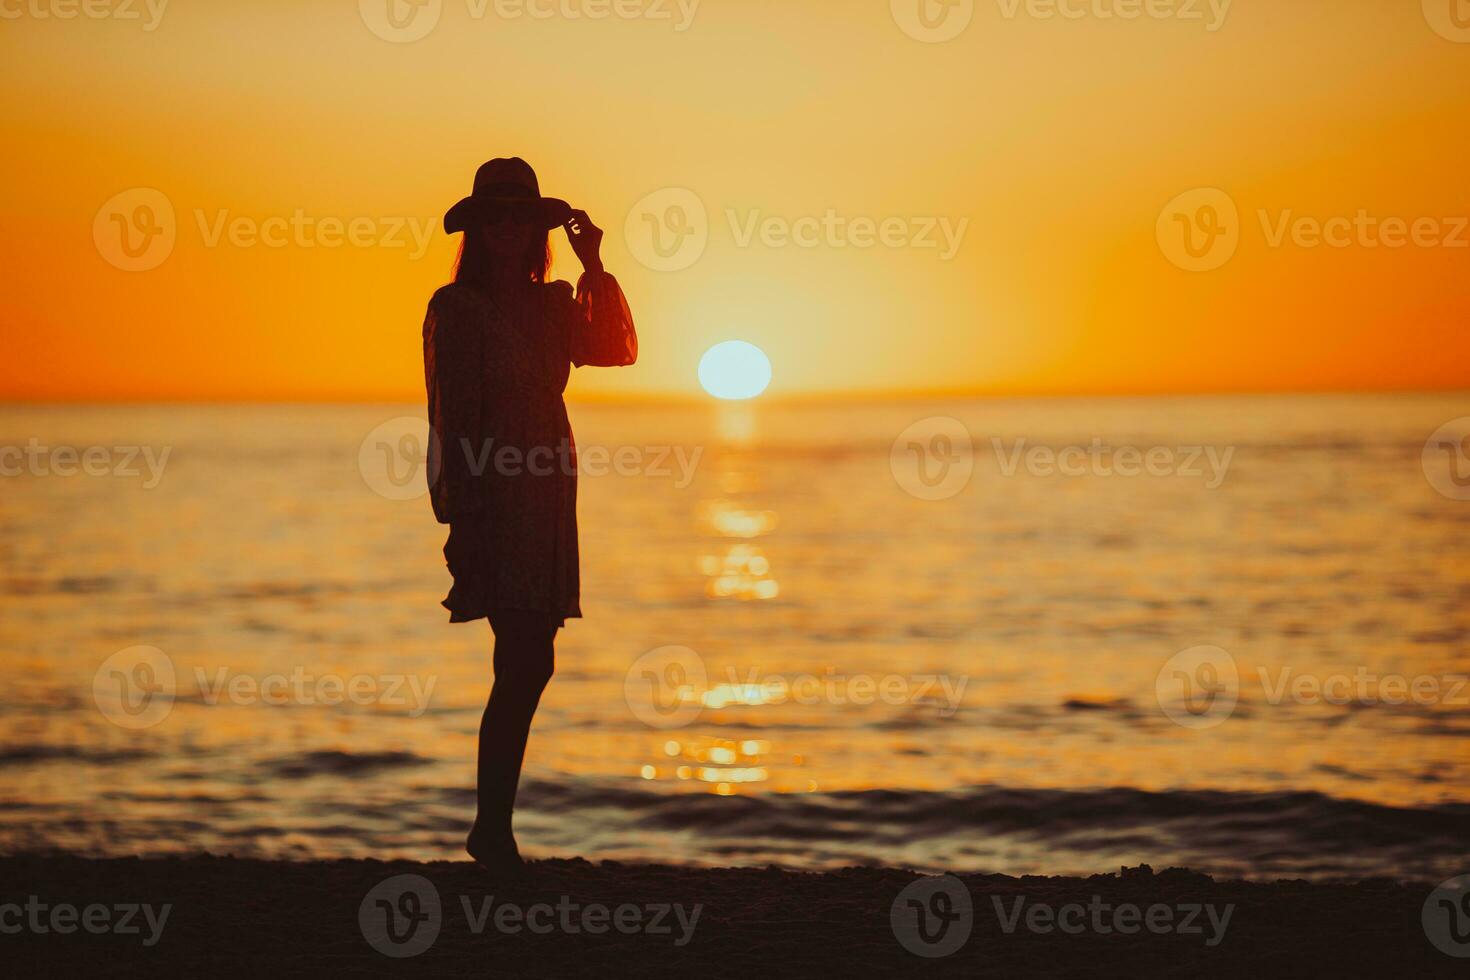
(502, 464)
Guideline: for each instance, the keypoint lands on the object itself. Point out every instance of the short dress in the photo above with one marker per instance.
(502, 464)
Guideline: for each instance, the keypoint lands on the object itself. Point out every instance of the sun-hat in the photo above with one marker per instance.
(507, 183)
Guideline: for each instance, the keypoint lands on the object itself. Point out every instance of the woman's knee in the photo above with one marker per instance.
(524, 673)
(540, 668)
(532, 659)
(525, 658)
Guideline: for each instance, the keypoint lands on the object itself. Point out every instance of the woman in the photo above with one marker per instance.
(498, 345)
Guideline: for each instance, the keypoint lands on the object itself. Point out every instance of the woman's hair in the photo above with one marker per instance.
(472, 265)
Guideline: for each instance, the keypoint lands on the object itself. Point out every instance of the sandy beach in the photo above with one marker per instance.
(207, 916)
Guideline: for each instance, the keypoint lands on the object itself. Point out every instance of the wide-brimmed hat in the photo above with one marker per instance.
(507, 184)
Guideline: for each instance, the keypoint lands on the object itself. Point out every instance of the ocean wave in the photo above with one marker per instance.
(338, 763)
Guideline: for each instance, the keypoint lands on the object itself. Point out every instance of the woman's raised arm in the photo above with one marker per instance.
(603, 334)
(453, 372)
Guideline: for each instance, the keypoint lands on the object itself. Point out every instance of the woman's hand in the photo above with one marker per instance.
(586, 239)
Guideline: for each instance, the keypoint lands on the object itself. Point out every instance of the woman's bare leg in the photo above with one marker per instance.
(524, 660)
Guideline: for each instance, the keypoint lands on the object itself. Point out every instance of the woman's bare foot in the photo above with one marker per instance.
(495, 852)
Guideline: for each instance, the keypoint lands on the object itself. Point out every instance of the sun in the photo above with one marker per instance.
(734, 370)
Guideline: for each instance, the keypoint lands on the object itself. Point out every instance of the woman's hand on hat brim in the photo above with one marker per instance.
(586, 239)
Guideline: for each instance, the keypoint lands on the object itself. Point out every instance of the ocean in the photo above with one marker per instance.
(1019, 636)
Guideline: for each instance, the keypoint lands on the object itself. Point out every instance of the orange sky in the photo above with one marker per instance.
(1059, 141)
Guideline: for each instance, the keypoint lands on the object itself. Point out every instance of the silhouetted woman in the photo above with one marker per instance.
(499, 343)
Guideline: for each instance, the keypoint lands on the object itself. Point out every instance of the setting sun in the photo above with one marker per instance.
(734, 370)
(510, 483)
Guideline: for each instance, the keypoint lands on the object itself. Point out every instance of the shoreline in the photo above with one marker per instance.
(571, 917)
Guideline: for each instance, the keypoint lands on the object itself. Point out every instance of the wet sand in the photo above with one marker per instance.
(235, 916)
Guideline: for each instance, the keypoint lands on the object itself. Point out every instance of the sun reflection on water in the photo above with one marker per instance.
(742, 571)
(722, 765)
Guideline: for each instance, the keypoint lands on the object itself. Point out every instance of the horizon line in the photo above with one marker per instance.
(655, 399)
